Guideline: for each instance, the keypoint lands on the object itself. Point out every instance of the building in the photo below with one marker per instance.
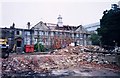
(58, 35)
(51, 36)
(17, 38)
(92, 27)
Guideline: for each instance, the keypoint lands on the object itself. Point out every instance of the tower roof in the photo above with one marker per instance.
(59, 17)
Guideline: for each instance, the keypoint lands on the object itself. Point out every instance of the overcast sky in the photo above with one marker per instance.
(74, 12)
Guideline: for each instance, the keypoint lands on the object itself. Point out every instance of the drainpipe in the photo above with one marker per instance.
(38, 40)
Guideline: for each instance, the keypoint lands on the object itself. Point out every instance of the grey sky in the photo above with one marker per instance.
(73, 12)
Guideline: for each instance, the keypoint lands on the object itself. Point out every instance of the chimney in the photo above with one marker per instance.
(28, 25)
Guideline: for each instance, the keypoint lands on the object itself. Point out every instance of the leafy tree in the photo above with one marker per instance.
(110, 27)
(95, 38)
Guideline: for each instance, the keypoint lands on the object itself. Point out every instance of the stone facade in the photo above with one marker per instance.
(52, 36)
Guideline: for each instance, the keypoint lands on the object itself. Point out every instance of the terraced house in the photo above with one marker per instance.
(16, 38)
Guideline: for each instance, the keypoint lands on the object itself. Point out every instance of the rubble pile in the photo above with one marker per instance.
(69, 57)
(78, 49)
(70, 50)
(94, 48)
(39, 64)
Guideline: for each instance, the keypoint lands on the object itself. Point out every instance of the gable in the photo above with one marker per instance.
(41, 26)
(81, 29)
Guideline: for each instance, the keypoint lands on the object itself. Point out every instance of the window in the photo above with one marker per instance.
(81, 35)
(84, 36)
(72, 35)
(56, 33)
(18, 43)
(18, 33)
(77, 35)
(78, 41)
(60, 33)
(35, 40)
(41, 32)
(46, 33)
(52, 34)
(65, 34)
(27, 32)
(35, 33)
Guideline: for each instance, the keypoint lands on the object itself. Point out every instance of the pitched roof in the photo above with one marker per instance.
(55, 27)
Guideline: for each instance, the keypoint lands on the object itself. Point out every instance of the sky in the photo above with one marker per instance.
(73, 12)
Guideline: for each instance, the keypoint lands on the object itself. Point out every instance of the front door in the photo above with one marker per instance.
(19, 45)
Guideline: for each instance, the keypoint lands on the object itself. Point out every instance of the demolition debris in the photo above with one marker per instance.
(78, 49)
(67, 58)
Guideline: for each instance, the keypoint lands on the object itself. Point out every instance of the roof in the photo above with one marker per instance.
(55, 27)
(52, 26)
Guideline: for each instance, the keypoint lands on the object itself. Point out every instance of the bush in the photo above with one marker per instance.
(39, 47)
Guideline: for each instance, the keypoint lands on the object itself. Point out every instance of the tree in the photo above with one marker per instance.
(110, 27)
(41, 47)
(95, 38)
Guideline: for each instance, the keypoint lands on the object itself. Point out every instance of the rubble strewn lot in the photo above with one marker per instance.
(79, 49)
(68, 61)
